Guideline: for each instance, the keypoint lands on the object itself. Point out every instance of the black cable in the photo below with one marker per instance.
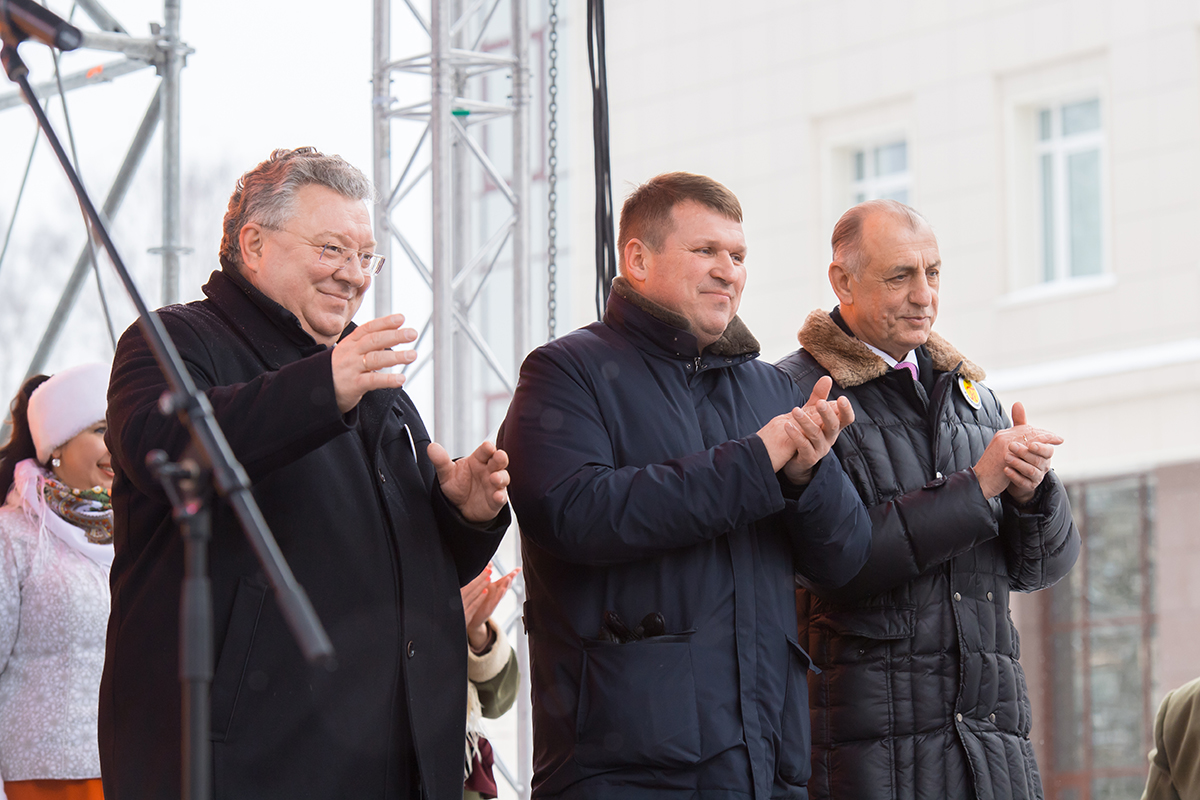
(28, 165)
(606, 263)
(552, 182)
(87, 228)
(12, 222)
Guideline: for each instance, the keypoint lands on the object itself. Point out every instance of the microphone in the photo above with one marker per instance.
(28, 20)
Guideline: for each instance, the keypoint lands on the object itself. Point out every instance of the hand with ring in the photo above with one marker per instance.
(370, 345)
(1017, 459)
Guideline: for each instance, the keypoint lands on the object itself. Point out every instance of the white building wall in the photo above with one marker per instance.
(765, 96)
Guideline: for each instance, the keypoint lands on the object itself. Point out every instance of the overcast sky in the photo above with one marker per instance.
(264, 75)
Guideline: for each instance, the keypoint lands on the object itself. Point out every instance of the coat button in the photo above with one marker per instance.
(412, 649)
(958, 717)
(939, 475)
(381, 478)
(989, 595)
(957, 596)
(992, 717)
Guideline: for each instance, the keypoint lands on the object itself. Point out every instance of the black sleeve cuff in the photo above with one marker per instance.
(1036, 503)
(790, 490)
(793, 492)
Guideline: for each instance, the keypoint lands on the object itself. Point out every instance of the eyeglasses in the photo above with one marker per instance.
(338, 257)
(335, 256)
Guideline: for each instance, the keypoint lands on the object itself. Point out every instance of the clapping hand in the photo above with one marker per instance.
(358, 360)
(477, 484)
(479, 599)
(1017, 459)
(797, 440)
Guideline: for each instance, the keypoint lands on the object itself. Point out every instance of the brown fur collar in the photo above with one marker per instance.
(851, 363)
(735, 341)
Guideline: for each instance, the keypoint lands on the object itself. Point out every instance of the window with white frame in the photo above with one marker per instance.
(1069, 154)
(880, 172)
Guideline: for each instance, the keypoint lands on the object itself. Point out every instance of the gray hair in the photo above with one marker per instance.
(267, 193)
(847, 234)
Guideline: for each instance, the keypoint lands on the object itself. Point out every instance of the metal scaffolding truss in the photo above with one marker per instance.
(164, 51)
(456, 274)
(450, 153)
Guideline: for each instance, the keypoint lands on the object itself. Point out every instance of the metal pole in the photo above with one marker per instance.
(112, 203)
(441, 102)
(381, 84)
(77, 80)
(521, 181)
(195, 639)
(172, 63)
(464, 355)
(521, 186)
(99, 14)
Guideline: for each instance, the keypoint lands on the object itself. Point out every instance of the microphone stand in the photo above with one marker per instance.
(187, 486)
(189, 489)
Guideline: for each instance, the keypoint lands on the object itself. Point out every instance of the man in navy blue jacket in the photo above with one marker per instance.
(669, 488)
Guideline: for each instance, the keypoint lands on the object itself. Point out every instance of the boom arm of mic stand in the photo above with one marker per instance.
(24, 19)
(196, 413)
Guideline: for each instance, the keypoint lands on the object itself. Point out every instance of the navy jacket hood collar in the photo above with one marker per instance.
(667, 331)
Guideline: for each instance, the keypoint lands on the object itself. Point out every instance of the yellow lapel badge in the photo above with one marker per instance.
(969, 392)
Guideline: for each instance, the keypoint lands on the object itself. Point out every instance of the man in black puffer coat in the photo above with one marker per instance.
(920, 694)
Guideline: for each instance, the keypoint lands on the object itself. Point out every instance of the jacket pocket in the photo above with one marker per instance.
(637, 704)
(795, 735)
(872, 622)
(235, 653)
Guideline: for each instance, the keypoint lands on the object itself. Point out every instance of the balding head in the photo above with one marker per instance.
(847, 237)
(886, 272)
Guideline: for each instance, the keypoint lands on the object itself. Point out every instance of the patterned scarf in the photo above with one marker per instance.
(90, 510)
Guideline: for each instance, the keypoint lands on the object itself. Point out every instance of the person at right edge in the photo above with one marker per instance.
(920, 694)
(1175, 759)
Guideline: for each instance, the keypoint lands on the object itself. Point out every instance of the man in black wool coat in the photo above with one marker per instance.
(379, 525)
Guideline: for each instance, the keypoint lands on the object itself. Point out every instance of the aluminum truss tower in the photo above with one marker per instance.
(164, 51)
(457, 271)
(454, 275)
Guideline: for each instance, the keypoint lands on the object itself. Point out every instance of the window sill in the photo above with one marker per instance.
(1056, 290)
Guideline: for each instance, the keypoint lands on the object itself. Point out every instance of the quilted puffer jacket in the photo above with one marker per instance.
(920, 694)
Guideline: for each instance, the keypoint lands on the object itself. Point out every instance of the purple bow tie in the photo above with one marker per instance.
(908, 365)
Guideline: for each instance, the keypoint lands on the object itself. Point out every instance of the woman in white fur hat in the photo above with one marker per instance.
(55, 553)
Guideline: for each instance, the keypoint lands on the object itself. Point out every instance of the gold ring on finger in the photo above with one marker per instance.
(365, 367)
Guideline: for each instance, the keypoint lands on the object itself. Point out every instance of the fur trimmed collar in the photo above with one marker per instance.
(735, 341)
(851, 363)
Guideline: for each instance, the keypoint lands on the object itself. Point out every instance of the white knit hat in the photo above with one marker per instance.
(70, 402)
